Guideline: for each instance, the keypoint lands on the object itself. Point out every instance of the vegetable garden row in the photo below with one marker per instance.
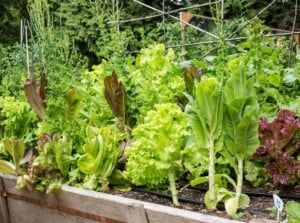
(152, 121)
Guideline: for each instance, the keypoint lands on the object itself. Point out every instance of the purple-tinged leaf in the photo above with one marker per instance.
(115, 96)
(32, 93)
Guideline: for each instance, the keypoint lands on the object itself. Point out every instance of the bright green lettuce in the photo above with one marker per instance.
(153, 79)
(154, 159)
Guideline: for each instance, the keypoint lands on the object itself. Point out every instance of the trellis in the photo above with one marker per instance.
(185, 22)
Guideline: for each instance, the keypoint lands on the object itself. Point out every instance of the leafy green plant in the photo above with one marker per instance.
(241, 130)
(293, 210)
(275, 86)
(154, 159)
(16, 118)
(153, 79)
(255, 173)
(100, 158)
(16, 149)
(205, 114)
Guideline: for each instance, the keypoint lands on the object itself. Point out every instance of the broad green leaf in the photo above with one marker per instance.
(231, 205)
(7, 167)
(198, 180)
(293, 209)
(209, 202)
(239, 86)
(223, 194)
(246, 139)
(244, 201)
(16, 149)
(275, 80)
(87, 164)
(73, 105)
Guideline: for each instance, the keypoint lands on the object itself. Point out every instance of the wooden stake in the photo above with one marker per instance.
(27, 52)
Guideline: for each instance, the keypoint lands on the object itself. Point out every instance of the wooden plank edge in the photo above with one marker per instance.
(120, 206)
(4, 214)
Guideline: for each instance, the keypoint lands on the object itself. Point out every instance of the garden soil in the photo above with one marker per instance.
(261, 206)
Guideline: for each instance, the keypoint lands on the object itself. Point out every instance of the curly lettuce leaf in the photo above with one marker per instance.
(155, 156)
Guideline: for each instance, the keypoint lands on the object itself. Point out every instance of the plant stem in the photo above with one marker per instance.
(211, 172)
(239, 178)
(171, 177)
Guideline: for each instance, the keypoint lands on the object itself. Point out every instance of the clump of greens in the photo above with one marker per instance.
(280, 146)
(155, 156)
(16, 118)
(293, 210)
(224, 120)
(205, 114)
(240, 130)
(100, 157)
(153, 79)
(16, 150)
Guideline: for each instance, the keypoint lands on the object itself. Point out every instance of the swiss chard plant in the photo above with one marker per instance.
(154, 159)
(280, 146)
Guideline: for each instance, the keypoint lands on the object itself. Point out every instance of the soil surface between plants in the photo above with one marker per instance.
(261, 200)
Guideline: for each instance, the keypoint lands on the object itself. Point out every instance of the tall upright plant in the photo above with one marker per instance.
(241, 129)
(205, 114)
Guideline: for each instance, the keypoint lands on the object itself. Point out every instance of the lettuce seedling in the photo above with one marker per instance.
(155, 156)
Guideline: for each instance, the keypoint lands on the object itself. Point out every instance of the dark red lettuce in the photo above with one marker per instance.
(280, 146)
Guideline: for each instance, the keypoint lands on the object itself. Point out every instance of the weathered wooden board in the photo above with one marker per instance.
(4, 216)
(73, 205)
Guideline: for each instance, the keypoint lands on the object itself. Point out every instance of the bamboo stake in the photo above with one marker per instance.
(27, 52)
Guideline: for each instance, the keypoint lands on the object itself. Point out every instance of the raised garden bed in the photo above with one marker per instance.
(78, 205)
